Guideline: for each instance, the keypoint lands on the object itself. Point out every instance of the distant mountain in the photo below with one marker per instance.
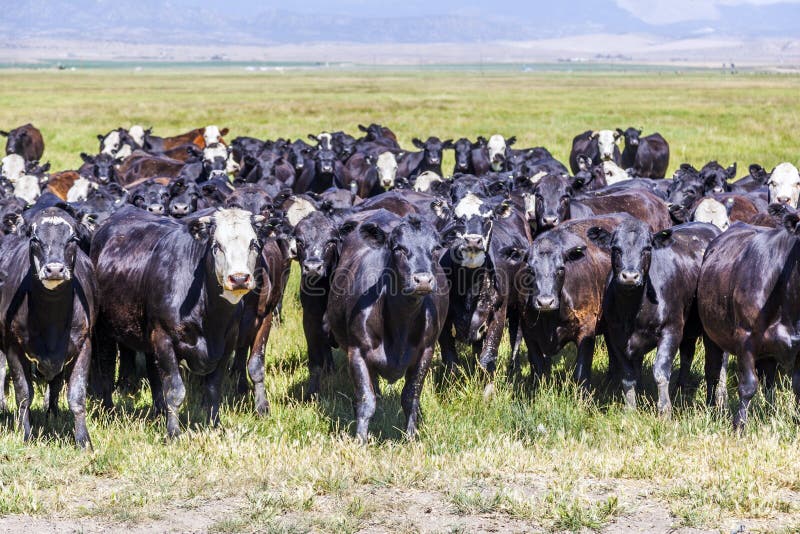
(243, 22)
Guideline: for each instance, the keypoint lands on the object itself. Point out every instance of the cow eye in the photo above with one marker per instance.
(215, 247)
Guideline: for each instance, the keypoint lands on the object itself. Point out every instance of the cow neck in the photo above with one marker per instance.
(400, 307)
(628, 301)
(51, 307)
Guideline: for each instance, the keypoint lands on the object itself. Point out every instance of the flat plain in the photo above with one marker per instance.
(519, 460)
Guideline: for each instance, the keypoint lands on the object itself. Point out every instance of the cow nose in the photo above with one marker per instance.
(630, 277)
(423, 282)
(313, 268)
(180, 209)
(473, 241)
(545, 303)
(550, 220)
(158, 209)
(239, 280)
(783, 200)
(55, 271)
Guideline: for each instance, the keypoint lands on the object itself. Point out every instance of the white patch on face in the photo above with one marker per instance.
(27, 188)
(538, 176)
(37, 265)
(387, 169)
(211, 135)
(54, 220)
(424, 181)
(713, 212)
(13, 167)
(496, 147)
(233, 234)
(473, 260)
(80, 190)
(325, 140)
(299, 210)
(530, 206)
(111, 144)
(784, 184)
(137, 134)
(469, 206)
(614, 173)
(606, 141)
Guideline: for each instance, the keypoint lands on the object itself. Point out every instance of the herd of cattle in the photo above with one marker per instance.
(180, 247)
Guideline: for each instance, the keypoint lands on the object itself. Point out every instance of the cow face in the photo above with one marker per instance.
(151, 196)
(212, 135)
(713, 212)
(547, 260)
(16, 140)
(631, 247)
(684, 191)
(552, 196)
(297, 156)
(183, 197)
(53, 247)
(325, 161)
(250, 197)
(218, 161)
(344, 145)
(463, 148)
(424, 181)
(432, 149)
(316, 246)
(784, 185)
(103, 169)
(497, 152)
(415, 250)
(80, 190)
(13, 166)
(137, 134)
(606, 143)
(234, 247)
(631, 136)
(612, 173)
(387, 169)
(28, 187)
(116, 143)
(715, 177)
(469, 235)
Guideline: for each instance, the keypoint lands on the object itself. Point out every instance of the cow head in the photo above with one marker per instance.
(433, 149)
(496, 147)
(316, 246)
(234, 248)
(685, 190)
(54, 237)
(387, 169)
(463, 149)
(631, 245)
(297, 155)
(784, 185)
(606, 143)
(715, 177)
(344, 145)
(218, 161)
(541, 280)
(80, 190)
(552, 196)
(250, 197)
(631, 136)
(713, 212)
(325, 161)
(16, 139)
(470, 233)
(12, 167)
(137, 134)
(184, 196)
(424, 181)
(212, 135)
(151, 196)
(117, 143)
(103, 167)
(29, 187)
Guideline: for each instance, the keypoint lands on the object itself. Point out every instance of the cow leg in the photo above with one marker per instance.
(156, 389)
(716, 385)
(239, 369)
(748, 384)
(76, 394)
(363, 395)
(23, 390)
(662, 370)
(631, 372)
(54, 392)
(213, 393)
(536, 360)
(491, 342)
(319, 352)
(3, 375)
(128, 380)
(415, 376)
(255, 366)
(686, 350)
(515, 338)
(447, 346)
(767, 370)
(583, 364)
(103, 366)
(171, 381)
(796, 385)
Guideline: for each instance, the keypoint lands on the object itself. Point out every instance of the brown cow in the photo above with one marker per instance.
(26, 141)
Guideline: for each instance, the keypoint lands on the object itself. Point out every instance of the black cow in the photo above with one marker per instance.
(185, 197)
(429, 158)
(748, 304)
(386, 308)
(596, 145)
(649, 301)
(152, 196)
(47, 299)
(100, 169)
(183, 283)
(648, 156)
(26, 141)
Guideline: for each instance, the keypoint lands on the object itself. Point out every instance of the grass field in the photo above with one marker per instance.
(520, 460)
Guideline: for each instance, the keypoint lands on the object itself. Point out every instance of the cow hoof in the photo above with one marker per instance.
(488, 391)
(665, 411)
(83, 442)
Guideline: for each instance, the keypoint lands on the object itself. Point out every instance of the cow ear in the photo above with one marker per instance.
(511, 140)
(372, 234)
(578, 182)
(362, 128)
(12, 222)
(346, 228)
(620, 133)
(663, 238)
(503, 210)
(313, 137)
(481, 140)
(729, 206)
(575, 253)
(418, 143)
(593, 135)
(777, 210)
(731, 171)
(223, 131)
(100, 137)
(399, 156)
(448, 144)
(758, 173)
(790, 221)
(86, 157)
(441, 208)
(599, 236)
(514, 255)
(200, 228)
(45, 167)
(5, 133)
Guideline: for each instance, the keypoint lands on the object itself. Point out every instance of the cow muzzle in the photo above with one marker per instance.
(545, 303)
(53, 274)
(422, 283)
(313, 269)
(156, 209)
(180, 210)
(630, 278)
(239, 283)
